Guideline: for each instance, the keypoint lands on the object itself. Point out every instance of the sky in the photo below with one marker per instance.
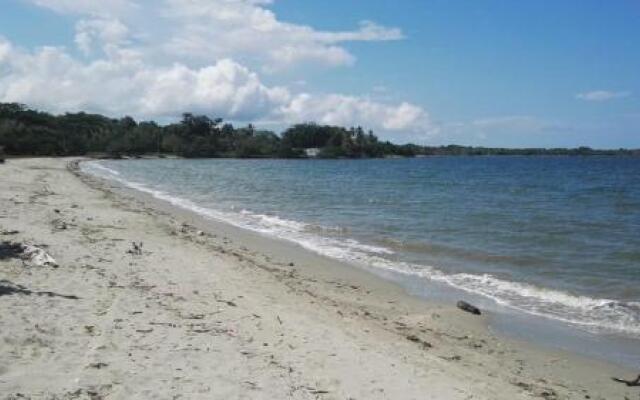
(528, 73)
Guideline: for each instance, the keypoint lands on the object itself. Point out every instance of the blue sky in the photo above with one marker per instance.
(493, 73)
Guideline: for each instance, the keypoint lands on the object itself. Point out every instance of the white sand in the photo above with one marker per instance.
(222, 315)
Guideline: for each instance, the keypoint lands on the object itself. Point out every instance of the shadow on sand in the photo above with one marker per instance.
(8, 288)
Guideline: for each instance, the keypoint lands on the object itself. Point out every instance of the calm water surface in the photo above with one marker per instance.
(557, 237)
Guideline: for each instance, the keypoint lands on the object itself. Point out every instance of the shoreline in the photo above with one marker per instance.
(538, 329)
(495, 319)
(321, 330)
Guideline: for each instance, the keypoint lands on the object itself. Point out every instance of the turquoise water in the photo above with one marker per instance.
(558, 237)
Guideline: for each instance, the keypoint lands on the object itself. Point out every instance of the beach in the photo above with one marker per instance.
(150, 301)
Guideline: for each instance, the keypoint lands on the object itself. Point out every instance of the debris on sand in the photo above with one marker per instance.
(136, 249)
(31, 255)
(228, 302)
(98, 365)
(37, 257)
(416, 339)
(59, 225)
(464, 306)
(635, 382)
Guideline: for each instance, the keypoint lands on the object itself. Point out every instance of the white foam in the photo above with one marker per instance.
(100, 167)
(595, 314)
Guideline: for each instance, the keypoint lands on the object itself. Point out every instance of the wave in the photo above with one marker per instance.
(593, 314)
(96, 166)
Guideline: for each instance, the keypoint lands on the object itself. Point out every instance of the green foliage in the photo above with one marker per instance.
(28, 132)
(24, 131)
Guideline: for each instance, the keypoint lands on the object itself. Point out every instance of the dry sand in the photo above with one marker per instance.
(206, 311)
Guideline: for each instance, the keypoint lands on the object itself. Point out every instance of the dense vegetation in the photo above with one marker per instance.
(24, 131)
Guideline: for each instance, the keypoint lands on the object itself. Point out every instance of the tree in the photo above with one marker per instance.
(25, 131)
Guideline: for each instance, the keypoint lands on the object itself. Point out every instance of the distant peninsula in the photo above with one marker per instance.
(28, 132)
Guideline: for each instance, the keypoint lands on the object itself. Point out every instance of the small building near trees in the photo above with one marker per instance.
(312, 152)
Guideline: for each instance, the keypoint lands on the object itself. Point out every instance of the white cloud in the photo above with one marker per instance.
(225, 88)
(206, 30)
(124, 82)
(369, 31)
(338, 109)
(109, 32)
(601, 95)
(5, 50)
(157, 59)
(246, 29)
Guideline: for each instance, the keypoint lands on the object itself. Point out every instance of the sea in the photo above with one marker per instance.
(550, 239)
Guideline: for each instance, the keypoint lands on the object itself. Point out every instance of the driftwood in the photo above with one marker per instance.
(635, 382)
(464, 306)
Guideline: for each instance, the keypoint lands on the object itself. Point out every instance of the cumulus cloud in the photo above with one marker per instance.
(159, 59)
(5, 50)
(225, 88)
(109, 32)
(124, 82)
(601, 95)
(207, 30)
(338, 109)
(247, 29)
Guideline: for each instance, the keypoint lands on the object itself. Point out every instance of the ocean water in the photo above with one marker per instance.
(556, 237)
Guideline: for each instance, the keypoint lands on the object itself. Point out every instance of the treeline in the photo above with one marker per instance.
(456, 150)
(28, 132)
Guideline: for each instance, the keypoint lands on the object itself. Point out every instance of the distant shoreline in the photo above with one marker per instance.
(29, 132)
(176, 157)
